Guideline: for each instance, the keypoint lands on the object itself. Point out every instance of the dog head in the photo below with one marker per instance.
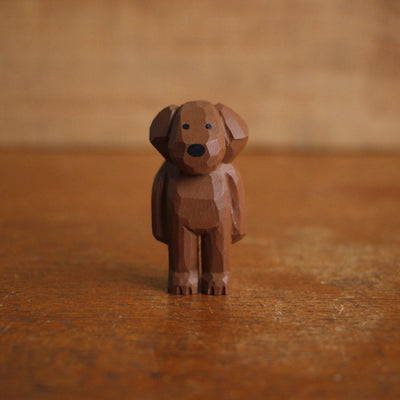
(198, 136)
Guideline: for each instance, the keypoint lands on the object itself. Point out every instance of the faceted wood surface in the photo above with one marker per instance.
(314, 311)
(198, 196)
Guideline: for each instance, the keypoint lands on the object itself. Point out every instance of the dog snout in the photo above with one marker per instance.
(196, 150)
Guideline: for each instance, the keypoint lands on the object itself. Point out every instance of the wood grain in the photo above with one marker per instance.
(303, 73)
(84, 311)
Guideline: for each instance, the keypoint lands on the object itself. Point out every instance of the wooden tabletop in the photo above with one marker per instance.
(315, 307)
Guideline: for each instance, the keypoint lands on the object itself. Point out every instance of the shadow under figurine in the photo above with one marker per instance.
(198, 196)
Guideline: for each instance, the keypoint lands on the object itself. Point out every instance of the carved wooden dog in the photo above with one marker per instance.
(198, 196)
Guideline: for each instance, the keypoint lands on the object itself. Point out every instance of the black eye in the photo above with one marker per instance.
(185, 126)
(208, 126)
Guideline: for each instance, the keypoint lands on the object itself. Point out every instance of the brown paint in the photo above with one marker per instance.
(198, 196)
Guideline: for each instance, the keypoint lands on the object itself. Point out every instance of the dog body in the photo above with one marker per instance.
(198, 195)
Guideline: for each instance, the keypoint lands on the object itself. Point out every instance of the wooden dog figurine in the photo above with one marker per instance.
(198, 196)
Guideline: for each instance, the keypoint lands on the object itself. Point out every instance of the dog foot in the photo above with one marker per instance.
(183, 283)
(215, 283)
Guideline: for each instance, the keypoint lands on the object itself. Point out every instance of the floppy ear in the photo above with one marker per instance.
(236, 132)
(159, 129)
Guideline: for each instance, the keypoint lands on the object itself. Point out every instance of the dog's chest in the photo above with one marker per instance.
(199, 200)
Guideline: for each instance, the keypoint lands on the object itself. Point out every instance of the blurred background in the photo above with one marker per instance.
(305, 74)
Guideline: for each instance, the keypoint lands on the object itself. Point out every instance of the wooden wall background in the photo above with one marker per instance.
(303, 73)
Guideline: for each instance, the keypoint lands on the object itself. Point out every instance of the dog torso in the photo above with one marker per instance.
(199, 202)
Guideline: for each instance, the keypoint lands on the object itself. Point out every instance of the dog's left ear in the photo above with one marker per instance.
(160, 127)
(237, 132)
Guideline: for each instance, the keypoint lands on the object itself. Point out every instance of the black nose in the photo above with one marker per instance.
(196, 150)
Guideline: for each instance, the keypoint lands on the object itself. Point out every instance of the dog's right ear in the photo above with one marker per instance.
(237, 132)
(159, 129)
